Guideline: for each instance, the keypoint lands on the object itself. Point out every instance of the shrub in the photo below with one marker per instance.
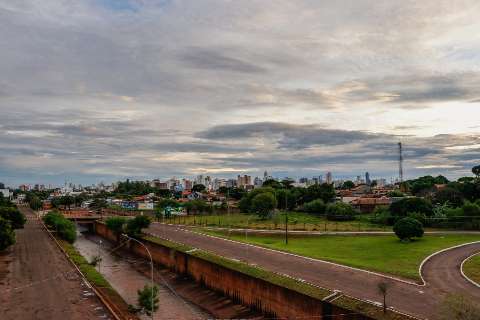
(315, 207)
(381, 215)
(420, 217)
(65, 228)
(145, 299)
(471, 209)
(407, 228)
(7, 235)
(134, 226)
(340, 212)
(12, 214)
(116, 224)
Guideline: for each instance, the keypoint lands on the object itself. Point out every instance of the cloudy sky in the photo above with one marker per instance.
(96, 90)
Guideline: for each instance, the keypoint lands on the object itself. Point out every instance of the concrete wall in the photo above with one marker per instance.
(273, 300)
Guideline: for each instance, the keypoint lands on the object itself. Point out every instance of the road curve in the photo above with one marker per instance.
(442, 272)
(417, 300)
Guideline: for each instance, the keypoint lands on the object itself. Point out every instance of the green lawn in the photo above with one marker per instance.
(296, 221)
(385, 253)
(471, 268)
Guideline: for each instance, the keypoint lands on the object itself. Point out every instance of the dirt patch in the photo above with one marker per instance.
(40, 283)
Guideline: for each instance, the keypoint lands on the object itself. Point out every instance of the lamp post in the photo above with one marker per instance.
(286, 216)
(151, 266)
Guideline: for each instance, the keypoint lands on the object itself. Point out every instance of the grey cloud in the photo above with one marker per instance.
(215, 61)
(289, 135)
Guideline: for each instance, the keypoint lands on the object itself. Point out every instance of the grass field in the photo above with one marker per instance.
(385, 253)
(471, 268)
(296, 221)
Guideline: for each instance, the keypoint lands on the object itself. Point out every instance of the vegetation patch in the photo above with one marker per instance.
(380, 253)
(471, 268)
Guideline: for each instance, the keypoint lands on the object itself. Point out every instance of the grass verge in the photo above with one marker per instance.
(296, 221)
(380, 253)
(98, 281)
(471, 268)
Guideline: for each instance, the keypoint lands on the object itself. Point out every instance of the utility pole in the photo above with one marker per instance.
(286, 216)
(400, 162)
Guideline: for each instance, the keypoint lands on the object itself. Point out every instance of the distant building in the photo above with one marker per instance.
(329, 178)
(367, 179)
(243, 181)
(5, 193)
(2, 185)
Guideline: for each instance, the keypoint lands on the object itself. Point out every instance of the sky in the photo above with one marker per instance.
(102, 90)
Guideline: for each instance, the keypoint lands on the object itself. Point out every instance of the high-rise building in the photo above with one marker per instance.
(367, 178)
(329, 178)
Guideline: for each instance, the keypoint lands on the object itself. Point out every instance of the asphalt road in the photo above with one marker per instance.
(442, 272)
(38, 282)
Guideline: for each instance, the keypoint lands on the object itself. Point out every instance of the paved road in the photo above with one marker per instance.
(38, 282)
(421, 301)
(442, 272)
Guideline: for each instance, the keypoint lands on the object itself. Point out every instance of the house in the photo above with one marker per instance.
(368, 205)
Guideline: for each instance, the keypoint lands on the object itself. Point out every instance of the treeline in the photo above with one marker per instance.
(10, 219)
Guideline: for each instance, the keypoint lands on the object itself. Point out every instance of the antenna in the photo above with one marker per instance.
(400, 162)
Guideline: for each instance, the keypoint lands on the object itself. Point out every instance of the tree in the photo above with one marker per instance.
(7, 235)
(245, 203)
(134, 226)
(348, 185)
(199, 188)
(12, 214)
(272, 183)
(145, 299)
(340, 212)
(382, 288)
(408, 228)
(35, 203)
(324, 191)
(285, 198)
(98, 204)
(315, 207)
(263, 204)
(450, 195)
(476, 171)
(403, 207)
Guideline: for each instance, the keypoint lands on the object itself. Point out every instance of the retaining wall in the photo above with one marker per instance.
(273, 300)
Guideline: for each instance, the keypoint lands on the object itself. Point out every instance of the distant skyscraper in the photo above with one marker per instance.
(367, 178)
(329, 178)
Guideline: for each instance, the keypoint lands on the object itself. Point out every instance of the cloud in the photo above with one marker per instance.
(107, 89)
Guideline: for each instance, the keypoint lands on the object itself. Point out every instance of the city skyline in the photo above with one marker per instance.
(105, 90)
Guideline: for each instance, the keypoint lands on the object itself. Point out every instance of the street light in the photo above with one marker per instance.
(151, 267)
(286, 216)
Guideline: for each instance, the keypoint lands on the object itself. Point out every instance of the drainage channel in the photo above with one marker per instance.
(126, 280)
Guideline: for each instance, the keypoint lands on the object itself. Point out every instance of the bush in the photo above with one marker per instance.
(145, 299)
(381, 215)
(116, 224)
(7, 235)
(134, 226)
(315, 207)
(263, 204)
(340, 212)
(471, 209)
(12, 214)
(407, 228)
(65, 228)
